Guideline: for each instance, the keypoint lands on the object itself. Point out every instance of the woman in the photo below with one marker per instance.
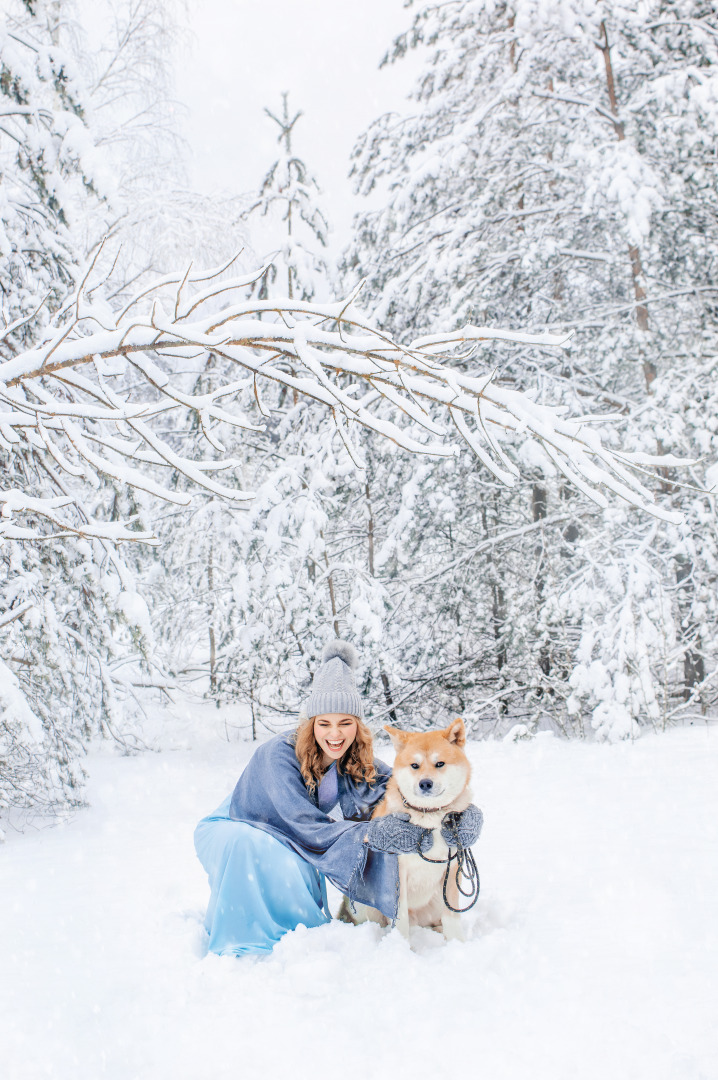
(300, 812)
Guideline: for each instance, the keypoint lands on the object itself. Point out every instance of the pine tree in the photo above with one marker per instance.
(288, 200)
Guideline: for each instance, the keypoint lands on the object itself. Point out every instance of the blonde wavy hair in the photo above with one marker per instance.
(358, 762)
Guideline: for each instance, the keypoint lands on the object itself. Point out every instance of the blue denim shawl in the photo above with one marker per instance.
(271, 795)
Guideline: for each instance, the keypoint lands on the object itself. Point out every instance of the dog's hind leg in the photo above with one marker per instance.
(345, 913)
(361, 914)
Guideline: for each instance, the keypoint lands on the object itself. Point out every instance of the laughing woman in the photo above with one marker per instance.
(299, 813)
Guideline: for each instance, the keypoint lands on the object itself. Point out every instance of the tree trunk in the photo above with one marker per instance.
(694, 671)
(370, 546)
(634, 254)
(330, 586)
(539, 509)
(212, 640)
(498, 608)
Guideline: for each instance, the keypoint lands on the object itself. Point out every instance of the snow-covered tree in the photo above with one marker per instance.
(92, 422)
(295, 228)
(557, 168)
(47, 169)
(557, 163)
(62, 624)
(257, 596)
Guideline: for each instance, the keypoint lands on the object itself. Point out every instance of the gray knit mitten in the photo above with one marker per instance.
(464, 828)
(395, 835)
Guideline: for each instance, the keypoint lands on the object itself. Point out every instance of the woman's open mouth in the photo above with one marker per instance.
(334, 746)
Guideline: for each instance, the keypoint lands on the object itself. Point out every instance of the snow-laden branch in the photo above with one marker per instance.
(68, 395)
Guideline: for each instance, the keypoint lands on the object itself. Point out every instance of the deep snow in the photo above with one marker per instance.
(592, 953)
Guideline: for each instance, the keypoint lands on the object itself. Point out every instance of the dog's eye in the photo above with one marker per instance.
(440, 764)
(414, 765)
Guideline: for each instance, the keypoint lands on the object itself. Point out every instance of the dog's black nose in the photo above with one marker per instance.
(426, 785)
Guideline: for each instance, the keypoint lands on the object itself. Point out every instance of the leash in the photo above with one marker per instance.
(466, 868)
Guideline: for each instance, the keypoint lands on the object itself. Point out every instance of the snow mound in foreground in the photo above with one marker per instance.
(591, 953)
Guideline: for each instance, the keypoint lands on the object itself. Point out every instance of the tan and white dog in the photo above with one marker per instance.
(431, 778)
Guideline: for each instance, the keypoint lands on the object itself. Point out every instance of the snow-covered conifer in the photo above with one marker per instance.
(74, 631)
(557, 169)
(47, 169)
(295, 227)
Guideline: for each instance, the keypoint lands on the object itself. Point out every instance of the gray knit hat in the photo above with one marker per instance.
(333, 688)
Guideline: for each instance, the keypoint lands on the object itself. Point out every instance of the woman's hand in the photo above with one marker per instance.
(395, 835)
(464, 828)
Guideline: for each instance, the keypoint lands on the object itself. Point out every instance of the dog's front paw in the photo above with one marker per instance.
(452, 927)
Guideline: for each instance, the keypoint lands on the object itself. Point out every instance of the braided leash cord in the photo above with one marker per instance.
(466, 869)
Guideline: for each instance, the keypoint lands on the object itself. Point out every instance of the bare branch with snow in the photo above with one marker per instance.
(66, 394)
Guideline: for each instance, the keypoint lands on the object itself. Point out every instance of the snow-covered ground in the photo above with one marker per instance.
(593, 951)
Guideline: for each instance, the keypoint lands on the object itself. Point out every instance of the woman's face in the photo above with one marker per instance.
(334, 732)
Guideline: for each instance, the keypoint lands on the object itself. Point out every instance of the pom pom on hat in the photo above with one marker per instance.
(343, 649)
(334, 687)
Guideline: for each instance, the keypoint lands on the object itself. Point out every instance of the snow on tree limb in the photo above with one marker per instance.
(14, 501)
(329, 353)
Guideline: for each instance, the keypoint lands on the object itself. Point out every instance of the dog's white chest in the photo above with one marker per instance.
(423, 879)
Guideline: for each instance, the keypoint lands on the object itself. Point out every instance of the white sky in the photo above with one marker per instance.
(326, 53)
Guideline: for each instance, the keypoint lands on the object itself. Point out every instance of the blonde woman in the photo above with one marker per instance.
(299, 813)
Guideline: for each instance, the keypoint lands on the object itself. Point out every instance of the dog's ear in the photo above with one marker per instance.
(397, 737)
(456, 732)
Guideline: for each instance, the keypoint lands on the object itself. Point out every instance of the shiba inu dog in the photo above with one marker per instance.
(431, 778)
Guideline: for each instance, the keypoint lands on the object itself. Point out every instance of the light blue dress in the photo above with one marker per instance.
(260, 888)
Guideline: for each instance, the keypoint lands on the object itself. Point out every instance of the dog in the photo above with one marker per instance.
(431, 778)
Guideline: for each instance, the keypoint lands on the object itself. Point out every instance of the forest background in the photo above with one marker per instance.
(213, 461)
